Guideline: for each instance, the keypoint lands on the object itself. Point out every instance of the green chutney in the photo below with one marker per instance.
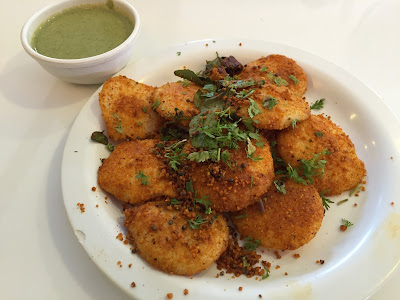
(82, 31)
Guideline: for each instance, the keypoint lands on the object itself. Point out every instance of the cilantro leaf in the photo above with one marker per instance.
(143, 178)
(292, 77)
(119, 126)
(280, 186)
(266, 275)
(270, 102)
(250, 243)
(253, 109)
(347, 223)
(174, 201)
(318, 134)
(319, 104)
(196, 223)
(325, 201)
(294, 123)
(156, 104)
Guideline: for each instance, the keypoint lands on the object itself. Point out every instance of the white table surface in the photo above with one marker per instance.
(40, 257)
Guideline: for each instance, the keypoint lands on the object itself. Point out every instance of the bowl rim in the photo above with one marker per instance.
(77, 62)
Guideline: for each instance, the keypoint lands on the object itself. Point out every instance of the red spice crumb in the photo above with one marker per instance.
(364, 182)
(240, 288)
(93, 188)
(317, 261)
(278, 256)
(259, 296)
(343, 227)
(126, 242)
(97, 205)
(240, 44)
(118, 262)
(355, 205)
(170, 295)
(357, 195)
(106, 202)
(277, 267)
(233, 277)
(133, 284)
(363, 188)
(106, 198)
(392, 203)
(286, 273)
(206, 45)
(296, 255)
(185, 292)
(321, 261)
(391, 157)
(81, 206)
(120, 237)
(120, 266)
(217, 276)
(130, 265)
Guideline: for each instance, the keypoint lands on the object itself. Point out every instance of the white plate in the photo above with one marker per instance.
(356, 261)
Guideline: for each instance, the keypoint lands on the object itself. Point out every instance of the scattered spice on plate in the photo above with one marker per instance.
(130, 265)
(81, 207)
(133, 284)
(277, 267)
(185, 292)
(392, 203)
(296, 255)
(170, 295)
(278, 256)
(240, 288)
(120, 237)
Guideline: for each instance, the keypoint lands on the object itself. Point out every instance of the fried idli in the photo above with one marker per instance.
(278, 107)
(343, 169)
(164, 239)
(279, 70)
(127, 109)
(133, 173)
(288, 221)
(175, 100)
(231, 188)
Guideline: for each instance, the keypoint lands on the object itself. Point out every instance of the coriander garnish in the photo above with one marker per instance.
(356, 190)
(292, 77)
(253, 109)
(346, 223)
(119, 126)
(266, 275)
(241, 216)
(318, 104)
(280, 186)
(144, 178)
(325, 201)
(156, 104)
(270, 102)
(342, 201)
(318, 134)
(195, 224)
(250, 243)
(294, 123)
